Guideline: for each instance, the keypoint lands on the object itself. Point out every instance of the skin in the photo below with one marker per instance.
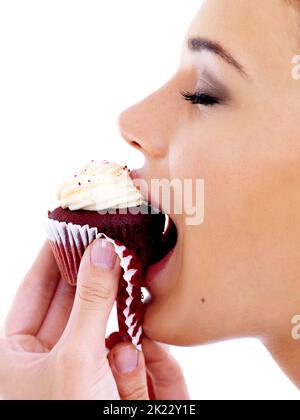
(237, 274)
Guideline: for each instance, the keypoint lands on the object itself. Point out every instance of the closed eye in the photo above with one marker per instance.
(201, 98)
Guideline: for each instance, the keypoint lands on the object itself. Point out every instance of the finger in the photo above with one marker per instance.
(34, 295)
(165, 373)
(115, 338)
(98, 280)
(58, 315)
(129, 370)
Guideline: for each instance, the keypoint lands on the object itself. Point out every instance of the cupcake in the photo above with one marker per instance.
(101, 200)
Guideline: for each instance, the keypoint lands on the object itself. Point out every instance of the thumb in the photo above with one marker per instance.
(97, 286)
(128, 367)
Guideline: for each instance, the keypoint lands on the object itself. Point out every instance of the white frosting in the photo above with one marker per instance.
(98, 186)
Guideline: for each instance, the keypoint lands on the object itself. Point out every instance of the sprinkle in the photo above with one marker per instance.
(89, 180)
(75, 176)
(79, 183)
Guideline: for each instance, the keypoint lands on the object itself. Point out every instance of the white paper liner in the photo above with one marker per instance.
(78, 238)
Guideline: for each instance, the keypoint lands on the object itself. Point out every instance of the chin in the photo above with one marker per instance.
(170, 330)
(164, 317)
(169, 319)
(161, 282)
(166, 330)
(160, 331)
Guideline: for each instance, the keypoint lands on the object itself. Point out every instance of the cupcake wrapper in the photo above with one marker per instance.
(69, 242)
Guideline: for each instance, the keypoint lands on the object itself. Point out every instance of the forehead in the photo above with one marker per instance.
(262, 35)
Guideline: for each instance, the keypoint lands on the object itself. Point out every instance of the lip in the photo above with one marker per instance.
(157, 267)
(136, 174)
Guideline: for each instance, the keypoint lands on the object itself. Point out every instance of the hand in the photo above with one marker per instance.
(54, 345)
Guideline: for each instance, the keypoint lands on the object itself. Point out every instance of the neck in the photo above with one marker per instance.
(286, 352)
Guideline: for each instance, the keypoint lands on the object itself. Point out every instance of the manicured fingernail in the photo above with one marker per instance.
(103, 254)
(126, 359)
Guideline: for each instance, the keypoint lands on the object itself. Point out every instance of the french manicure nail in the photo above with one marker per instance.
(103, 254)
(126, 359)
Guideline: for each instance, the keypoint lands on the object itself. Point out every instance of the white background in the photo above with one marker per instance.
(67, 69)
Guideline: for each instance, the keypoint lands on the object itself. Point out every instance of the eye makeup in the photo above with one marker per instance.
(208, 91)
(200, 98)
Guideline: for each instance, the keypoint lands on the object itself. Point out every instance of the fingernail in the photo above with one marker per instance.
(126, 359)
(103, 254)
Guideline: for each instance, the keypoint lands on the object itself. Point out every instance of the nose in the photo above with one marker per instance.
(144, 125)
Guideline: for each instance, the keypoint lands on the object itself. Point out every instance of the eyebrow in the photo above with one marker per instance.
(203, 44)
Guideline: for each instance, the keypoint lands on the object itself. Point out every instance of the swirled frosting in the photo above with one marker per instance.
(98, 186)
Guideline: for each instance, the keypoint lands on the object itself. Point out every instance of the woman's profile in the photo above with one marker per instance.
(228, 116)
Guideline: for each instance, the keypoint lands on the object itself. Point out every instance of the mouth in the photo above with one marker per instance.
(168, 242)
(155, 268)
(163, 254)
(170, 235)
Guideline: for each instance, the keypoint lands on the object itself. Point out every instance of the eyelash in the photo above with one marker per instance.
(201, 98)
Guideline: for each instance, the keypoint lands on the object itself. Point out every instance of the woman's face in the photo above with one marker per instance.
(234, 274)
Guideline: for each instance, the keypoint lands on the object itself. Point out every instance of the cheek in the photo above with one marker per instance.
(234, 162)
(249, 189)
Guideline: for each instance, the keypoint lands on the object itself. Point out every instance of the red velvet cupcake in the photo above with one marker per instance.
(102, 201)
